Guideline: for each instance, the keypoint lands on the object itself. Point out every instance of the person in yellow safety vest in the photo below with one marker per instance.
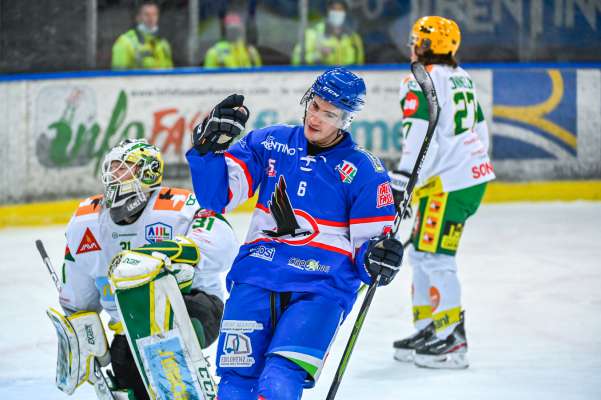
(141, 47)
(233, 51)
(331, 42)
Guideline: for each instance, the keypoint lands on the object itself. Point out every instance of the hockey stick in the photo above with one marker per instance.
(101, 386)
(425, 83)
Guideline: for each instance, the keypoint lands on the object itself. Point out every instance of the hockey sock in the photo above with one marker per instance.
(281, 379)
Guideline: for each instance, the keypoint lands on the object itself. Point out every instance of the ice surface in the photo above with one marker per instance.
(531, 277)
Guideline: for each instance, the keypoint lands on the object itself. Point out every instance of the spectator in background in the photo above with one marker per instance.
(232, 51)
(331, 42)
(141, 47)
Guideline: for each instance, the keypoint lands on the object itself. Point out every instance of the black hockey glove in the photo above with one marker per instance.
(221, 126)
(383, 257)
(398, 183)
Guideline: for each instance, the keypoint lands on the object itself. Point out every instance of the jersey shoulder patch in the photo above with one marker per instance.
(88, 243)
(91, 205)
(375, 162)
(173, 199)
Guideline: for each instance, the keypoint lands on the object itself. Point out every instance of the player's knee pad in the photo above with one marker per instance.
(234, 386)
(281, 379)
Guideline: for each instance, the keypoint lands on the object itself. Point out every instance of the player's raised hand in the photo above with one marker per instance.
(221, 126)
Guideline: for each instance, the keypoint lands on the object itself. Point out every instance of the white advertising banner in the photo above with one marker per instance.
(57, 131)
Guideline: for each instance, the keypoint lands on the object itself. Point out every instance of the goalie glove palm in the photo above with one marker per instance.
(225, 122)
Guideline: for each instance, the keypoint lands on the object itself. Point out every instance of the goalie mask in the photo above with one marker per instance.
(130, 171)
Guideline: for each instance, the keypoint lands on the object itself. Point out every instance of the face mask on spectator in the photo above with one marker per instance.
(234, 33)
(336, 17)
(148, 31)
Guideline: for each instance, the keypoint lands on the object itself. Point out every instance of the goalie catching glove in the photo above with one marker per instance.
(225, 122)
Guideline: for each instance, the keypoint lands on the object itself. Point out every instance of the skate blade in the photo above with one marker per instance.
(447, 361)
(404, 355)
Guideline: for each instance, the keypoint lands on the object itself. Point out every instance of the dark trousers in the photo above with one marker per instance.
(205, 308)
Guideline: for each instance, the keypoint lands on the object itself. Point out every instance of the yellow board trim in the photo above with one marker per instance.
(59, 212)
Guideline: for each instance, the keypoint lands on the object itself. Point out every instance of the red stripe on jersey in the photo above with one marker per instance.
(242, 164)
(331, 248)
(331, 223)
(367, 220)
(262, 207)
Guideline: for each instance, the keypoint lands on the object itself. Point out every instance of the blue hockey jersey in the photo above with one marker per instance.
(314, 213)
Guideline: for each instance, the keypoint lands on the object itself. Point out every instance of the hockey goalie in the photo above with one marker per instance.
(152, 258)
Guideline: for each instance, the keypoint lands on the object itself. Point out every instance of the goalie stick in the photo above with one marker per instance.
(425, 83)
(101, 386)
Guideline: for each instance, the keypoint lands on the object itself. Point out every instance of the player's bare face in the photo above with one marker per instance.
(149, 16)
(321, 122)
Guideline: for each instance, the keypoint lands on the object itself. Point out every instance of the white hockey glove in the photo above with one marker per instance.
(81, 340)
(398, 183)
(221, 126)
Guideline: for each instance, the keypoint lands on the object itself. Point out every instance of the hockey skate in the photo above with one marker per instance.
(448, 353)
(404, 349)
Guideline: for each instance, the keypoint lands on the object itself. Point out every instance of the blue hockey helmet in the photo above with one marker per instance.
(341, 88)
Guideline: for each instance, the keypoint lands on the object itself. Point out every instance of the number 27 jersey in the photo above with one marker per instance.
(458, 154)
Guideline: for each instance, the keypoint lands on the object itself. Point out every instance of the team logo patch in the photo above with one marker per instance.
(385, 197)
(452, 234)
(293, 226)
(88, 243)
(237, 347)
(347, 171)
(158, 232)
(308, 265)
(411, 104)
(263, 252)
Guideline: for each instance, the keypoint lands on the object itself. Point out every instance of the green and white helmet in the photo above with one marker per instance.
(130, 171)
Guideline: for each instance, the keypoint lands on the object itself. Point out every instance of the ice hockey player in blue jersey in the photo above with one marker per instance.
(319, 229)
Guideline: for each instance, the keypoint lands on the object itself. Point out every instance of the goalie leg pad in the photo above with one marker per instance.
(81, 340)
(163, 340)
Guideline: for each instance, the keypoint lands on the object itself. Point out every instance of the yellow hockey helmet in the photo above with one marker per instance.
(441, 35)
